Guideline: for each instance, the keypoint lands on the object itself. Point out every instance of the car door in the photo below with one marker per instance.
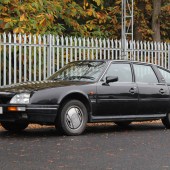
(165, 76)
(153, 94)
(117, 98)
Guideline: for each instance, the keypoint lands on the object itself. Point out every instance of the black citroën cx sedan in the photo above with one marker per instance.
(89, 91)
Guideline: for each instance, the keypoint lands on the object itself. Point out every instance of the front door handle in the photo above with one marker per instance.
(132, 90)
(162, 91)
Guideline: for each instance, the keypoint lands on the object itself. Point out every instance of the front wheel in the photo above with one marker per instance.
(14, 126)
(166, 121)
(73, 118)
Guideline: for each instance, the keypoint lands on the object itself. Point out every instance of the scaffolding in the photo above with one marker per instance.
(127, 27)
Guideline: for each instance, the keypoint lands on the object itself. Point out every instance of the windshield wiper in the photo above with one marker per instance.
(78, 77)
(57, 78)
(87, 77)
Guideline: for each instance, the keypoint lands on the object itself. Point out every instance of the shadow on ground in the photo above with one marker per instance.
(50, 131)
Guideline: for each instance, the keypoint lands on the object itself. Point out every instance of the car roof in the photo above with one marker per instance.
(128, 61)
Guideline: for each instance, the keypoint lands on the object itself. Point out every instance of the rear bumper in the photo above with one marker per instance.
(31, 113)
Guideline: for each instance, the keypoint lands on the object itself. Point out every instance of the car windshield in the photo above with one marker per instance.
(80, 71)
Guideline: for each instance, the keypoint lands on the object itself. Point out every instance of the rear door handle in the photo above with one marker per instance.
(162, 91)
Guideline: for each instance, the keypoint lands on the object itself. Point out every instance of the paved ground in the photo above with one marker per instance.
(143, 146)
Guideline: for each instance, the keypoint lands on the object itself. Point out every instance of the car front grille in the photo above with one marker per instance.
(5, 98)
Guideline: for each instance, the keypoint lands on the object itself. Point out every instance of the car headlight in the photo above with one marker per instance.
(22, 98)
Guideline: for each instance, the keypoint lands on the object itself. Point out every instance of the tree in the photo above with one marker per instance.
(87, 18)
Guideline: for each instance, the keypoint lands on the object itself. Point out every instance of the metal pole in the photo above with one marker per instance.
(127, 27)
(123, 32)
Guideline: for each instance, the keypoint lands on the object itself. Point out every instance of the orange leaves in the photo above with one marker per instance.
(4, 14)
(102, 17)
(85, 4)
(45, 19)
(114, 20)
(166, 8)
(40, 15)
(90, 26)
(66, 1)
(43, 22)
(50, 17)
(18, 30)
(98, 2)
(90, 11)
(22, 8)
(148, 7)
(23, 17)
(31, 8)
(4, 9)
(7, 19)
(40, 2)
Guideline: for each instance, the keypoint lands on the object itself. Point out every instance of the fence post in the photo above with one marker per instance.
(0, 61)
(49, 48)
(169, 56)
(4, 62)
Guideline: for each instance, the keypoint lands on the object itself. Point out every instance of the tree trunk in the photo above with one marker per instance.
(156, 20)
(137, 25)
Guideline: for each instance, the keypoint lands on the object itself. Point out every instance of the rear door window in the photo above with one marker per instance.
(144, 74)
(165, 74)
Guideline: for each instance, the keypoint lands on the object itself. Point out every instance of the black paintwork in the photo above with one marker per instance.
(104, 101)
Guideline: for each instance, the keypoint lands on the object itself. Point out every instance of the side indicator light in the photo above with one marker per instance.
(12, 108)
(91, 93)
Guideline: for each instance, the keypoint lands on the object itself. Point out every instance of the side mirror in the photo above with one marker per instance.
(111, 79)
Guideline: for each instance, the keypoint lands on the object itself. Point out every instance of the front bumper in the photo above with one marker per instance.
(31, 113)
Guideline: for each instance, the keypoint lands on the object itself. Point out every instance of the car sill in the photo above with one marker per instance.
(126, 117)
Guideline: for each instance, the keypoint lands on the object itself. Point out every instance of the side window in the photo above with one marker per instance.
(145, 74)
(165, 74)
(123, 71)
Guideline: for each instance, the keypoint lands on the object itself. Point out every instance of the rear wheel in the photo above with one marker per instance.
(166, 121)
(14, 126)
(73, 118)
(123, 124)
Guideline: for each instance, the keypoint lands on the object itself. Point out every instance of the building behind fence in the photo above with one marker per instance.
(32, 57)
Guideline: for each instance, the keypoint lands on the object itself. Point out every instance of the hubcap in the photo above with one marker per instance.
(74, 117)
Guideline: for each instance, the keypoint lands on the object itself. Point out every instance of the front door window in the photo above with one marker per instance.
(122, 71)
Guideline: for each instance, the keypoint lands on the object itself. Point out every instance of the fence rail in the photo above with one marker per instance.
(32, 57)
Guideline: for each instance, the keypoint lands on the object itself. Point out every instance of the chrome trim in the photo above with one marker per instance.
(5, 93)
(22, 109)
(104, 71)
(41, 108)
(74, 118)
(128, 117)
(117, 99)
(93, 100)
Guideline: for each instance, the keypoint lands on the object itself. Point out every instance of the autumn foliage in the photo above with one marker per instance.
(92, 18)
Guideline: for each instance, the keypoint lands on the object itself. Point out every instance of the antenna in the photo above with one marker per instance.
(127, 27)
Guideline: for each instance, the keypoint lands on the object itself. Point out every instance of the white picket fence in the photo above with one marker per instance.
(36, 57)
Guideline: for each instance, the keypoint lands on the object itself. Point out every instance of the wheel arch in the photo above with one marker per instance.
(77, 96)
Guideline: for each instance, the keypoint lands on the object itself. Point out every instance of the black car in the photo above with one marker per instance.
(89, 91)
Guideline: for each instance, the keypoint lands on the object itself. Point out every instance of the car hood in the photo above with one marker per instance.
(39, 85)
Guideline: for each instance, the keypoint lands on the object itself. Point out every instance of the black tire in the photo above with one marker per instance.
(166, 121)
(72, 118)
(123, 124)
(14, 126)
